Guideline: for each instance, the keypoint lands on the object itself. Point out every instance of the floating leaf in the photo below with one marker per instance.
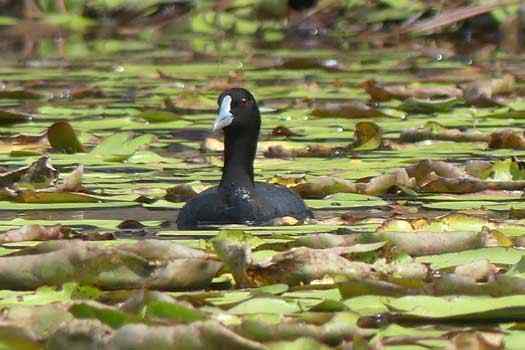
(120, 147)
(36, 233)
(62, 138)
(368, 136)
(481, 93)
(382, 93)
(10, 117)
(19, 95)
(109, 268)
(351, 109)
(158, 116)
(413, 105)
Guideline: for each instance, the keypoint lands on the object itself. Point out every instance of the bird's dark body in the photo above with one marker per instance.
(258, 206)
(238, 199)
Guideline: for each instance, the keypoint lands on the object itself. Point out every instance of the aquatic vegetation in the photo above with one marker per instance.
(407, 146)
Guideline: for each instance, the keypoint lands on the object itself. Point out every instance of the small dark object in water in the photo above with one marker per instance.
(130, 225)
(131, 228)
(238, 199)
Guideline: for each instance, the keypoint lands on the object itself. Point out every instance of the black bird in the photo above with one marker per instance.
(238, 199)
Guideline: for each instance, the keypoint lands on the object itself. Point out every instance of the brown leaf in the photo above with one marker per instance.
(288, 180)
(477, 271)
(427, 170)
(20, 95)
(79, 92)
(23, 139)
(11, 117)
(350, 109)
(430, 243)
(202, 335)
(482, 93)
(507, 139)
(324, 186)
(378, 185)
(52, 196)
(383, 183)
(303, 265)
(476, 340)
(451, 16)
(279, 131)
(130, 225)
(36, 233)
(152, 264)
(265, 331)
(284, 221)
(318, 150)
(180, 193)
(39, 174)
(212, 144)
(164, 76)
(72, 182)
(368, 136)
(454, 185)
(382, 93)
(435, 131)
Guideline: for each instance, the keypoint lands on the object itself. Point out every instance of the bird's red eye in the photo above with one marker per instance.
(243, 101)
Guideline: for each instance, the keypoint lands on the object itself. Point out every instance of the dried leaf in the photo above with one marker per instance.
(351, 109)
(482, 93)
(180, 193)
(507, 139)
(35, 233)
(435, 131)
(381, 93)
(11, 117)
(368, 136)
(131, 266)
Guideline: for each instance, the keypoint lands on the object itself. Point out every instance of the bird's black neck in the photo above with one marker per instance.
(239, 153)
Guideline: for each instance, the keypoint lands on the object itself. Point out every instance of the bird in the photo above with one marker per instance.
(238, 199)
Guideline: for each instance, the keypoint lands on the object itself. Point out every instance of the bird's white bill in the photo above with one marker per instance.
(225, 117)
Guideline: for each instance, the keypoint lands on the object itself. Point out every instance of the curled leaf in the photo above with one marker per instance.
(368, 136)
(63, 138)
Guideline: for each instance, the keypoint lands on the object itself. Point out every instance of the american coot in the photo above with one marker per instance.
(238, 199)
